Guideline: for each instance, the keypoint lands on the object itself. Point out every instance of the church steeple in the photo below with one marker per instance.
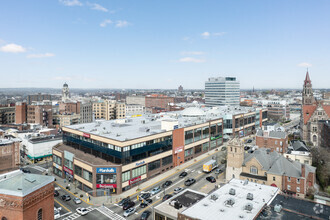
(307, 96)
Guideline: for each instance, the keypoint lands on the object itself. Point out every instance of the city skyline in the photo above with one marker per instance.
(154, 45)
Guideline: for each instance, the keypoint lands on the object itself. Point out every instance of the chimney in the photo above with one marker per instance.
(302, 170)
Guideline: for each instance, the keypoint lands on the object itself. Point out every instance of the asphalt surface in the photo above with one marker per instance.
(194, 171)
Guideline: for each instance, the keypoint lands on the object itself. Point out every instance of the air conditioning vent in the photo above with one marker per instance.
(248, 207)
(232, 191)
(230, 202)
(249, 196)
(214, 197)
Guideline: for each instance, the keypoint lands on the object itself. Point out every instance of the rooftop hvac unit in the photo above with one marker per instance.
(277, 208)
(249, 196)
(245, 182)
(177, 205)
(248, 207)
(232, 191)
(214, 197)
(229, 202)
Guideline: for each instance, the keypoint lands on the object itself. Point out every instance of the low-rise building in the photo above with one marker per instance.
(7, 114)
(66, 119)
(235, 200)
(9, 155)
(26, 196)
(134, 110)
(298, 151)
(273, 140)
(109, 109)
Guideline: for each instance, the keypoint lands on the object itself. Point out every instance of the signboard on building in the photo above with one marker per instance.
(105, 170)
(134, 116)
(178, 149)
(216, 137)
(175, 127)
(86, 135)
(68, 170)
(68, 155)
(140, 163)
(134, 180)
(109, 186)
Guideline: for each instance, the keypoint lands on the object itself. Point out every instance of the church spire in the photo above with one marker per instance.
(307, 79)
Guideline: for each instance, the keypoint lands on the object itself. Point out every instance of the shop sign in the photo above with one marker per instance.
(216, 137)
(134, 180)
(175, 127)
(105, 170)
(140, 163)
(86, 135)
(67, 170)
(109, 186)
(178, 149)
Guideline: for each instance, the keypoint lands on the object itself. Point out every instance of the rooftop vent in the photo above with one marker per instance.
(30, 179)
(241, 216)
(177, 205)
(277, 208)
(205, 204)
(248, 207)
(245, 182)
(222, 210)
(229, 202)
(214, 197)
(232, 191)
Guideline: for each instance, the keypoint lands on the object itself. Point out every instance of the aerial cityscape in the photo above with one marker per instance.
(164, 110)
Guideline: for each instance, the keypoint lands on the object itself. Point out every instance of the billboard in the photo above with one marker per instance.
(105, 170)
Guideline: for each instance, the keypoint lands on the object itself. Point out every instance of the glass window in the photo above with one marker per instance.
(68, 164)
(126, 176)
(87, 175)
(77, 170)
(167, 160)
(206, 146)
(289, 187)
(298, 189)
(188, 152)
(298, 181)
(206, 131)
(188, 137)
(40, 214)
(106, 178)
(154, 165)
(273, 178)
(198, 134)
(139, 171)
(57, 160)
(253, 170)
(198, 149)
(289, 179)
(213, 130)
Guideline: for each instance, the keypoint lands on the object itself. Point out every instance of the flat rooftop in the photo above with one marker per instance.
(186, 198)
(226, 206)
(17, 183)
(294, 208)
(149, 124)
(86, 157)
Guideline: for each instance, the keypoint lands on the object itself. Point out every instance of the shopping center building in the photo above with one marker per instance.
(118, 154)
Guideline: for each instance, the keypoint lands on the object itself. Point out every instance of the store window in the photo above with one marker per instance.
(58, 172)
(206, 131)
(78, 170)
(154, 165)
(188, 152)
(206, 146)
(167, 160)
(106, 178)
(198, 149)
(68, 164)
(188, 137)
(125, 176)
(87, 175)
(213, 130)
(198, 134)
(139, 171)
(57, 160)
(213, 144)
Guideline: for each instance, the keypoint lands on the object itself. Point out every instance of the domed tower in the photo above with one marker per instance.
(65, 92)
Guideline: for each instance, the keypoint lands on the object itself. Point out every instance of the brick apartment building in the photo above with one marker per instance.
(158, 101)
(274, 140)
(20, 113)
(40, 113)
(38, 98)
(69, 107)
(26, 196)
(7, 114)
(9, 155)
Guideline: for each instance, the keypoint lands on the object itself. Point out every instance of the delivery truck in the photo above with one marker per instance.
(209, 166)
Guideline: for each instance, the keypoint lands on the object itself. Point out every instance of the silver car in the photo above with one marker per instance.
(155, 190)
(178, 189)
(129, 212)
(77, 201)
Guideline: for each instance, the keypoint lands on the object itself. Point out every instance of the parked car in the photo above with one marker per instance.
(167, 183)
(218, 171)
(155, 190)
(166, 197)
(128, 205)
(129, 212)
(223, 161)
(223, 148)
(189, 182)
(211, 179)
(145, 203)
(247, 148)
(144, 196)
(123, 201)
(82, 211)
(177, 190)
(145, 215)
(66, 198)
(56, 193)
(57, 213)
(249, 141)
(183, 174)
(25, 170)
(77, 200)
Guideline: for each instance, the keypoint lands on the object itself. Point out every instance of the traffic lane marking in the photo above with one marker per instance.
(176, 172)
(73, 194)
(62, 205)
(152, 204)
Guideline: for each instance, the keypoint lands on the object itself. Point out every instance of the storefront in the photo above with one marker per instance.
(106, 179)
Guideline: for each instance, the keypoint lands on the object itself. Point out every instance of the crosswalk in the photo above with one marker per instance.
(107, 212)
(76, 215)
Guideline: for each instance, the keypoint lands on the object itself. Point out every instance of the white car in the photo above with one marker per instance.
(177, 190)
(57, 213)
(82, 211)
(129, 212)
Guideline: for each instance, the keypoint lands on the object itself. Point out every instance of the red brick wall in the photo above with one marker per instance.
(293, 183)
(272, 143)
(178, 141)
(160, 102)
(20, 113)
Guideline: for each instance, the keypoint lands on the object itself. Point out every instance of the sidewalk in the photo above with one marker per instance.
(98, 201)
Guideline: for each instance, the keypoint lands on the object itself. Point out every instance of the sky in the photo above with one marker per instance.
(163, 44)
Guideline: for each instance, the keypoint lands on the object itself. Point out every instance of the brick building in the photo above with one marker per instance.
(9, 155)
(269, 168)
(274, 140)
(158, 101)
(7, 114)
(40, 113)
(26, 196)
(69, 107)
(38, 98)
(20, 113)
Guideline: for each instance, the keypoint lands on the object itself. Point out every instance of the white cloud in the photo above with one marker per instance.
(40, 55)
(191, 60)
(219, 34)
(12, 48)
(105, 22)
(304, 64)
(98, 7)
(192, 53)
(121, 23)
(206, 35)
(71, 2)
